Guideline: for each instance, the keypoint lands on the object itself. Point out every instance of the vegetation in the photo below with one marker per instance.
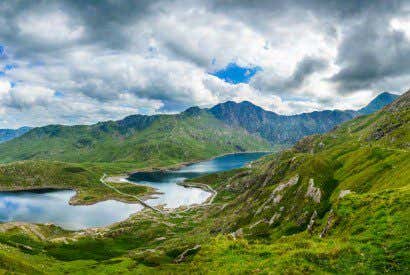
(334, 203)
(85, 179)
(161, 141)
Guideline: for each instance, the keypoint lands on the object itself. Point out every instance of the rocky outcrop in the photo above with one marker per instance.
(312, 222)
(328, 224)
(313, 192)
(274, 218)
(182, 257)
(237, 234)
(275, 196)
(343, 193)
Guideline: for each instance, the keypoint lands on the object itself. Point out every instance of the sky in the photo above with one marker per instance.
(80, 62)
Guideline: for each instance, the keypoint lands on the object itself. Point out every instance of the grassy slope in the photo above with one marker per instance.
(85, 179)
(367, 230)
(170, 139)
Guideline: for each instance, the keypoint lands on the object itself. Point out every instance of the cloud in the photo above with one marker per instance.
(76, 62)
(372, 53)
(270, 83)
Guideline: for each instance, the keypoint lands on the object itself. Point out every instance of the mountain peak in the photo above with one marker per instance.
(195, 110)
(378, 102)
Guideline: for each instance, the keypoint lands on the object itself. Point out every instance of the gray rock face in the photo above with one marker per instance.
(313, 192)
(312, 222)
(275, 196)
(344, 193)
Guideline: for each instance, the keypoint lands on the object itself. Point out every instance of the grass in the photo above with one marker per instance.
(365, 231)
(167, 140)
(84, 179)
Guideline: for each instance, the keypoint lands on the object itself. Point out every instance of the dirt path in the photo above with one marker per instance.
(102, 179)
(170, 210)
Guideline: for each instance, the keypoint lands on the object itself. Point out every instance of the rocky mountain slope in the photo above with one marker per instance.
(286, 130)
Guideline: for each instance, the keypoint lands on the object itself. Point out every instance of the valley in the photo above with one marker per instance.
(335, 202)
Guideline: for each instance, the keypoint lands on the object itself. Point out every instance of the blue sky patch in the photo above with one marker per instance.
(235, 74)
(10, 67)
(58, 94)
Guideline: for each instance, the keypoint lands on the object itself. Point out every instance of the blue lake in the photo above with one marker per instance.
(52, 206)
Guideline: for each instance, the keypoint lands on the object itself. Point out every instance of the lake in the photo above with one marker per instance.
(51, 206)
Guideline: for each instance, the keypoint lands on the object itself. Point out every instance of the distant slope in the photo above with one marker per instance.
(169, 139)
(9, 134)
(378, 103)
(149, 140)
(286, 130)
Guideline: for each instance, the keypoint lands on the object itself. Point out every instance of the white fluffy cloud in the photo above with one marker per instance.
(67, 62)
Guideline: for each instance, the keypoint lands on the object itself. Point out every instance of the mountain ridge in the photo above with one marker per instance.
(227, 127)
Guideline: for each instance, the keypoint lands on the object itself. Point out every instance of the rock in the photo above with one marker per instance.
(328, 223)
(274, 218)
(344, 193)
(312, 222)
(277, 199)
(302, 218)
(313, 192)
(160, 239)
(237, 234)
(256, 224)
(274, 196)
(182, 257)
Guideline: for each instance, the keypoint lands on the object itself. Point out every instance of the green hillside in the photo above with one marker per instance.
(142, 140)
(334, 203)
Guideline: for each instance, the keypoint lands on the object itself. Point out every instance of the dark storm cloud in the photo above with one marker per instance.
(102, 21)
(120, 54)
(306, 67)
(371, 52)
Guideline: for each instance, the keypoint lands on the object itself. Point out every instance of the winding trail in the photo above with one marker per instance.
(143, 203)
(173, 210)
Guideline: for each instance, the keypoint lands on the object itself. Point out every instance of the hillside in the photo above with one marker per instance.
(162, 140)
(9, 134)
(143, 140)
(334, 203)
(286, 130)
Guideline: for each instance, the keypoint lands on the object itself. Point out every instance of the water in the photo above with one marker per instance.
(174, 195)
(50, 206)
(53, 207)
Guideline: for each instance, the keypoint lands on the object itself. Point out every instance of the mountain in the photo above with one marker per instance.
(9, 134)
(377, 103)
(142, 140)
(168, 139)
(286, 130)
(335, 203)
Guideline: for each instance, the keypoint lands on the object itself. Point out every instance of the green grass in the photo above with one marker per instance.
(168, 140)
(367, 229)
(84, 179)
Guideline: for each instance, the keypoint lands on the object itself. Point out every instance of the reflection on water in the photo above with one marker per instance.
(50, 206)
(175, 195)
(53, 207)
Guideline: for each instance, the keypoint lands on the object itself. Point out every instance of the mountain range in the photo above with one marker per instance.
(334, 203)
(9, 134)
(169, 139)
(286, 130)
